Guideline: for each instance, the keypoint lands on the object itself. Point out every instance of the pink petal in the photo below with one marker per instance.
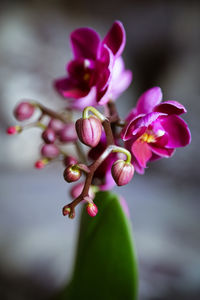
(162, 152)
(142, 152)
(104, 74)
(148, 100)
(107, 57)
(138, 168)
(141, 121)
(171, 108)
(178, 132)
(85, 43)
(88, 100)
(116, 38)
(162, 141)
(68, 89)
(121, 78)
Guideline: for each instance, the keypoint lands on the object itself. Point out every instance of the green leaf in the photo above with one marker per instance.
(105, 266)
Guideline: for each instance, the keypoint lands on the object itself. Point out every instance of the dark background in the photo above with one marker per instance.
(36, 242)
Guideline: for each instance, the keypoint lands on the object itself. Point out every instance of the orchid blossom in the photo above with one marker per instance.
(154, 129)
(97, 73)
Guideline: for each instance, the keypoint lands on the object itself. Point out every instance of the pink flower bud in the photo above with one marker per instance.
(69, 160)
(50, 151)
(72, 173)
(122, 172)
(68, 133)
(89, 131)
(13, 130)
(24, 111)
(49, 136)
(92, 209)
(56, 125)
(40, 164)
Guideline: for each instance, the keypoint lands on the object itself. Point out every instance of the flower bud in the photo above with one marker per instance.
(92, 209)
(69, 160)
(40, 164)
(24, 111)
(72, 173)
(49, 136)
(14, 130)
(89, 131)
(68, 133)
(122, 172)
(50, 151)
(66, 210)
(56, 125)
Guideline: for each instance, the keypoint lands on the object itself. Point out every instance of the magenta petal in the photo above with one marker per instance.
(104, 71)
(171, 108)
(142, 152)
(116, 38)
(161, 151)
(138, 168)
(88, 100)
(148, 100)
(85, 43)
(106, 57)
(136, 124)
(67, 88)
(178, 132)
(103, 96)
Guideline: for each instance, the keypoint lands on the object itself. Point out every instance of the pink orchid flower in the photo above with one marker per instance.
(97, 73)
(154, 129)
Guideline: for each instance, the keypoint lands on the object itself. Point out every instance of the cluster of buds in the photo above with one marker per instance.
(96, 77)
(57, 131)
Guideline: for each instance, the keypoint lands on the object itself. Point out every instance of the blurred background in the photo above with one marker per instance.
(37, 243)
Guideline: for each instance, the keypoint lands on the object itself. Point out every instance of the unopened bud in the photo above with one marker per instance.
(72, 173)
(24, 111)
(66, 210)
(40, 164)
(50, 151)
(56, 125)
(122, 172)
(49, 136)
(89, 131)
(68, 133)
(14, 130)
(69, 160)
(92, 209)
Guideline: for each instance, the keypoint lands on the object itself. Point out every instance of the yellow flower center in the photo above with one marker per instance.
(148, 138)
